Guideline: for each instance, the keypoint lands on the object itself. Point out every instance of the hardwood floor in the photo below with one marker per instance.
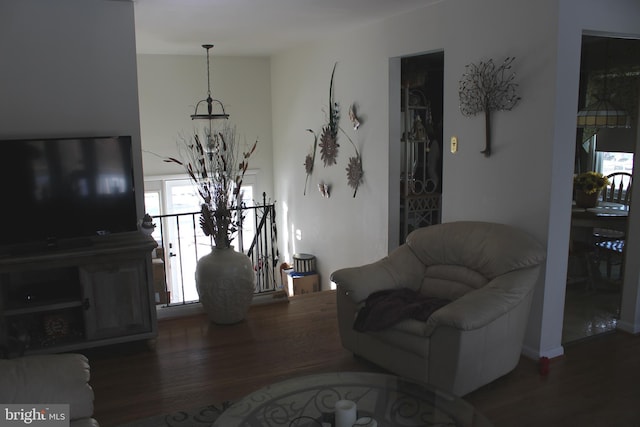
(596, 383)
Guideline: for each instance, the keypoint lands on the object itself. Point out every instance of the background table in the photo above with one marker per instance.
(584, 223)
(605, 215)
(390, 400)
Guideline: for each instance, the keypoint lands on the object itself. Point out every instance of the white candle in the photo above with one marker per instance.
(345, 413)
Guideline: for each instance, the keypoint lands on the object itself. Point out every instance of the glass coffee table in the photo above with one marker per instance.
(309, 401)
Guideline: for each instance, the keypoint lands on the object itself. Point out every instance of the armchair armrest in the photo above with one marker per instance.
(478, 308)
(51, 378)
(400, 269)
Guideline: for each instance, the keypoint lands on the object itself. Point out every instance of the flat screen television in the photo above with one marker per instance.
(62, 190)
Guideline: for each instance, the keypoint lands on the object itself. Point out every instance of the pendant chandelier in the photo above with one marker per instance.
(603, 113)
(210, 115)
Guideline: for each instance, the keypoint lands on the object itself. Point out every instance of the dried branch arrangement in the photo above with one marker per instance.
(217, 168)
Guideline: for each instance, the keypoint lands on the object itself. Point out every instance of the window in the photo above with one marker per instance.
(609, 162)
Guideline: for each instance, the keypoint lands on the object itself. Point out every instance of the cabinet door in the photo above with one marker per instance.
(116, 299)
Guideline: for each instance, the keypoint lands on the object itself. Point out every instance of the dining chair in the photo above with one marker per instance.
(619, 189)
(611, 243)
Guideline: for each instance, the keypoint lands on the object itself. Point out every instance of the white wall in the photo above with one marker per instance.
(171, 85)
(340, 230)
(300, 92)
(68, 68)
(527, 180)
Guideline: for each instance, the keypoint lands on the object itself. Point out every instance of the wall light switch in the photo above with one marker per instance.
(454, 144)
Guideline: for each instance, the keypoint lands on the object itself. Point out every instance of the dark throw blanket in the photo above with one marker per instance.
(385, 308)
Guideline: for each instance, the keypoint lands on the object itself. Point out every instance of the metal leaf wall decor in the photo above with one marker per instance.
(329, 136)
(310, 160)
(328, 143)
(328, 146)
(354, 168)
(486, 88)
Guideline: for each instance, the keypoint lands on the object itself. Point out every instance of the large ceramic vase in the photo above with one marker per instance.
(225, 281)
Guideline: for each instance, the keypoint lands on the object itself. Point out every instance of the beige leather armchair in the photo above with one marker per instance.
(50, 379)
(487, 270)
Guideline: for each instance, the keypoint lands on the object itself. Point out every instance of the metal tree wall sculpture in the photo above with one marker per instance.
(486, 88)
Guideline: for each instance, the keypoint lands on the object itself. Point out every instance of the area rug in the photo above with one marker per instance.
(202, 416)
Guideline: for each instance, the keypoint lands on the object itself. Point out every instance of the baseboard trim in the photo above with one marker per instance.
(536, 354)
(195, 308)
(270, 298)
(174, 311)
(632, 328)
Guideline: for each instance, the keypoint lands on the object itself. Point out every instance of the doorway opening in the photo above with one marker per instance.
(420, 183)
(609, 75)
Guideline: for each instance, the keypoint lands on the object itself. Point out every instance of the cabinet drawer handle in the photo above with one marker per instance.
(86, 304)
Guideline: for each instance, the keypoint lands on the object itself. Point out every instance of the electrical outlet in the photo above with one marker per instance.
(454, 144)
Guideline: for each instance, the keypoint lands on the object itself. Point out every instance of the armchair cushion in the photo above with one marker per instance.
(451, 281)
(477, 309)
(487, 248)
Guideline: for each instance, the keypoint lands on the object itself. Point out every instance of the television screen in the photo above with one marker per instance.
(57, 189)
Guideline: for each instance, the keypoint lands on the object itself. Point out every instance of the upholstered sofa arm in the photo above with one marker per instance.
(400, 269)
(479, 308)
(52, 378)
